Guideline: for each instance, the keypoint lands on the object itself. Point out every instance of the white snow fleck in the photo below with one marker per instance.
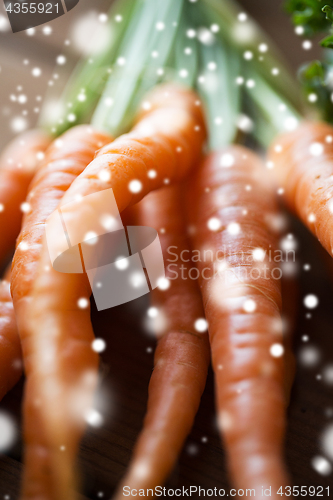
(321, 465)
(152, 312)
(276, 350)
(233, 228)
(135, 186)
(249, 306)
(316, 149)
(163, 283)
(214, 224)
(93, 418)
(307, 45)
(121, 263)
(311, 301)
(61, 60)
(7, 431)
(201, 325)
(83, 303)
(98, 345)
(227, 160)
(327, 441)
(259, 254)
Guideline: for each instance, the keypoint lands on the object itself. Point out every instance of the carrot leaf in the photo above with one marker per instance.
(205, 45)
(327, 42)
(309, 15)
(329, 12)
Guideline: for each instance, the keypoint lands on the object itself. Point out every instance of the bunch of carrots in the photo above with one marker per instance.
(224, 201)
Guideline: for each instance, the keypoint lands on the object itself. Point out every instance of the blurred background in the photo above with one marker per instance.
(23, 88)
(36, 64)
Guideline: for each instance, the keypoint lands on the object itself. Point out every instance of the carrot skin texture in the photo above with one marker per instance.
(18, 164)
(307, 177)
(167, 139)
(182, 355)
(10, 347)
(151, 145)
(249, 380)
(65, 159)
(290, 295)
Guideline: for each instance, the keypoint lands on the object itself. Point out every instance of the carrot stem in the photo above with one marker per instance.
(179, 41)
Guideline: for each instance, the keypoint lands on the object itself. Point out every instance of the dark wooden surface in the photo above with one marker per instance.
(126, 368)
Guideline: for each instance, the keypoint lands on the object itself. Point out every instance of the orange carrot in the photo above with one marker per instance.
(65, 159)
(290, 294)
(231, 207)
(10, 347)
(161, 148)
(303, 166)
(182, 355)
(18, 164)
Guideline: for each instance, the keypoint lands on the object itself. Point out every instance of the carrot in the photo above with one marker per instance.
(303, 167)
(161, 149)
(231, 207)
(65, 159)
(163, 146)
(182, 355)
(290, 295)
(10, 347)
(18, 164)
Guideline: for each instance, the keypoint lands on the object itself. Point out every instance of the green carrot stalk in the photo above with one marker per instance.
(205, 45)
